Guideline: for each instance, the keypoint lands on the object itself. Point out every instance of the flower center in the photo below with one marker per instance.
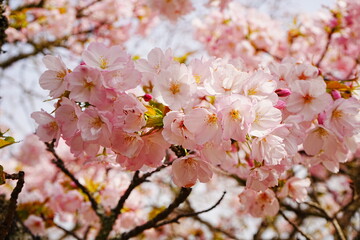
(308, 98)
(337, 114)
(235, 114)
(212, 119)
(103, 63)
(174, 88)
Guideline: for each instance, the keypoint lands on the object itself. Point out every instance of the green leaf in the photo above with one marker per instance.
(6, 141)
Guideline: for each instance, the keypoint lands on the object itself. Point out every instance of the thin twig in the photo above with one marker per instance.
(6, 225)
(295, 226)
(70, 233)
(107, 222)
(191, 214)
(60, 164)
(182, 196)
(333, 219)
(329, 36)
(215, 229)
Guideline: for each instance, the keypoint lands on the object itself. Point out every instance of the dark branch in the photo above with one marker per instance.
(107, 222)
(215, 229)
(191, 214)
(333, 219)
(37, 48)
(329, 36)
(182, 196)
(67, 232)
(60, 164)
(6, 225)
(295, 226)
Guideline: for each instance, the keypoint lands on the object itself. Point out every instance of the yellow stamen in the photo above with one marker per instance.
(174, 88)
(212, 119)
(235, 114)
(337, 114)
(103, 63)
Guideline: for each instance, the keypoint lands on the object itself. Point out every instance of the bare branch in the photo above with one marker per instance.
(60, 164)
(213, 228)
(333, 219)
(6, 225)
(182, 196)
(329, 36)
(37, 48)
(191, 214)
(67, 232)
(295, 226)
(107, 222)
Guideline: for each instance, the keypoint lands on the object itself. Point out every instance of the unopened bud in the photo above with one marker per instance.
(82, 63)
(147, 97)
(335, 94)
(321, 118)
(283, 92)
(280, 105)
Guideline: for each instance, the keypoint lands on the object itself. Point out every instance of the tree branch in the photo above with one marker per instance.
(67, 232)
(6, 225)
(215, 229)
(107, 222)
(182, 196)
(333, 219)
(295, 226)
(329, 36)
(191, 214)
(37, 48)
(60, 164)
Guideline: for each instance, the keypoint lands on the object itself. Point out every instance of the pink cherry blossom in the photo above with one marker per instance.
(99, 56)
(262, 178)
(343, 117)
(95, 126)
(259, 204)
(308, 98)
(129, 113)
(85, 84)
(187, 170)
(203, 123)
(175, 131)
(269, 148)
(67, 117)
(325, 147)
(35, 224)
(54, 78)
(126, 144)
(174, 86)
(295, 188)
(48, 128)
(236, 116)
(267, 118)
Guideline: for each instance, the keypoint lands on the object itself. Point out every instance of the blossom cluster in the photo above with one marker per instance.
(50, 199)
(72, 24)
(238, 32)
(254, 124)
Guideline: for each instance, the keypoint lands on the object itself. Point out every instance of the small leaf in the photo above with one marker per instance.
(6, 142)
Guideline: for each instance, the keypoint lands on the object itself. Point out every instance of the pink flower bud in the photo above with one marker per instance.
(333, 23)
(82, 63)
(283, 92)
(335, 94)
(280, 105)
(147, 97)
(321, 118)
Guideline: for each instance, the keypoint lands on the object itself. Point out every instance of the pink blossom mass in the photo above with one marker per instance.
(252, 119)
